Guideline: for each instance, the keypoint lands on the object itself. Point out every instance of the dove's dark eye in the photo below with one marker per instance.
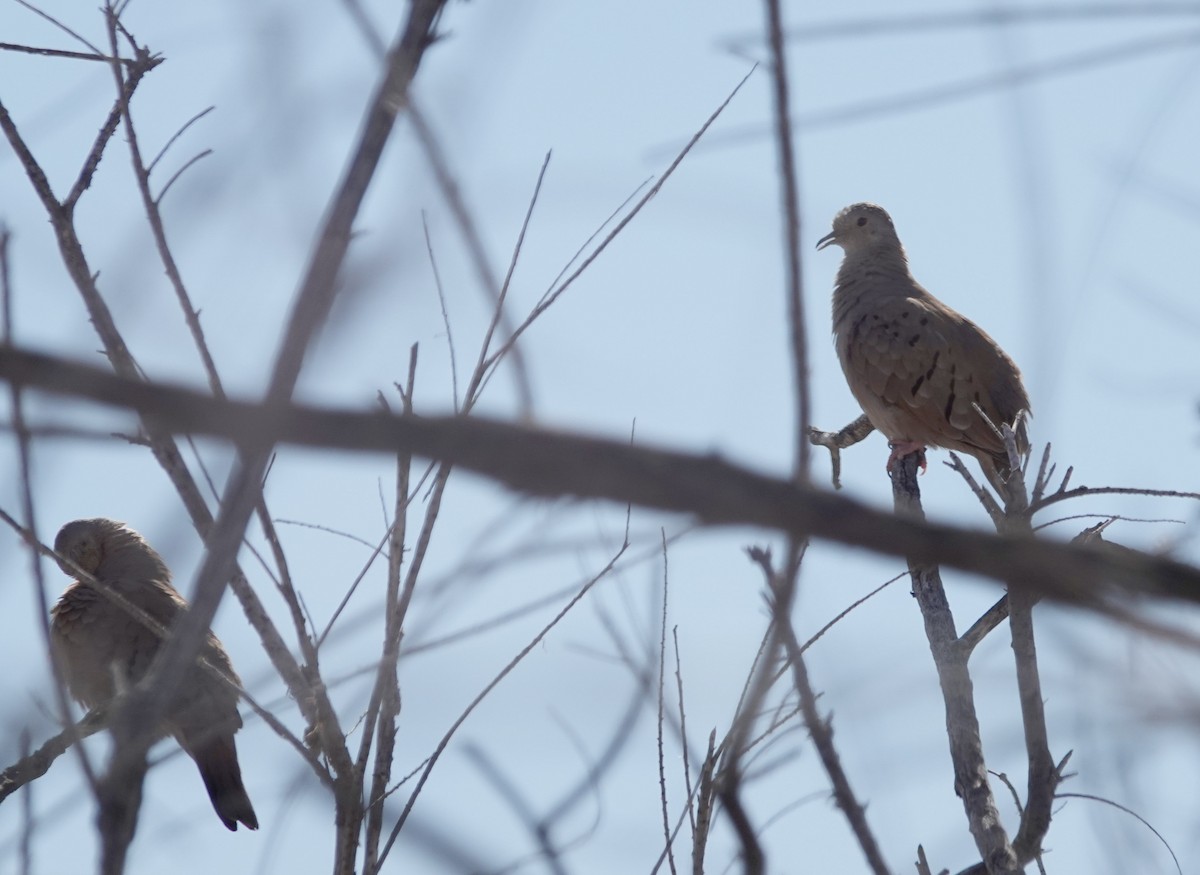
(862, 220)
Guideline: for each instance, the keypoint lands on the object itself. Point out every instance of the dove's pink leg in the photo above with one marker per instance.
(900, 449)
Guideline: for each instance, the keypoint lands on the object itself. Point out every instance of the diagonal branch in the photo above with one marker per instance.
(32, 766)
(547, 462)
(821, 728)
(162, 444)
(313, 302)
(311, 307)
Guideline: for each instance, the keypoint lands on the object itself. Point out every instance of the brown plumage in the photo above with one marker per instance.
(102, 650)
(915, 365)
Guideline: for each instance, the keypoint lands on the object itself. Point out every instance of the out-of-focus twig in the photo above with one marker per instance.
(554, 293)
(789, 192)
(820, 729)
(660, 702)
(500, 676)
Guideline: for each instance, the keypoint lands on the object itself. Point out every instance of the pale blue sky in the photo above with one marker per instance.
(1062, 215)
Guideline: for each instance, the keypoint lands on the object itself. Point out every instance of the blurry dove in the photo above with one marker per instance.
(915, 365)
(102, 649)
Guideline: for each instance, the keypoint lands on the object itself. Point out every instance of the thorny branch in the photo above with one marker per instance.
(958, 693)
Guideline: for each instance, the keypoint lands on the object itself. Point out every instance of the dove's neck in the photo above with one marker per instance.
(127, 556)
(888, 262)
(868, 274)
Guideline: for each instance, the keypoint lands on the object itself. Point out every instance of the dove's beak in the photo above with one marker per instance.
(826, 240)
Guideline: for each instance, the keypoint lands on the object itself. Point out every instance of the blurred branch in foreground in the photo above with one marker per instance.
(546, 462)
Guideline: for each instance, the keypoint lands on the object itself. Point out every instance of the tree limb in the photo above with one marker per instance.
(545, 462)
(962, 724)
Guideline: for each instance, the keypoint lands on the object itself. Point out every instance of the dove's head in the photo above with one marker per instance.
(104, 547)
(862, 228)
(81, 541)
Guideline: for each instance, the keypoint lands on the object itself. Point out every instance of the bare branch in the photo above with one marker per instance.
(820, 729)
(668, 842)
(877, 108)
(962, 723)
(178, 173)
(546, 462)
(790, 194)
(175, 136)
(500, 676)
(441, 295)
(58, 24)
(58, 53)
(1131, 813)
(33, 765)
(991, 618)
(558, 290)
(486, 366)
(1043, 776)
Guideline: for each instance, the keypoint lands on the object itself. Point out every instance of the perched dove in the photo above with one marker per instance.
(915, 365)
(103, 649)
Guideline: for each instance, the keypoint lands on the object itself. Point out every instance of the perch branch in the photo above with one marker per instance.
(962, 723)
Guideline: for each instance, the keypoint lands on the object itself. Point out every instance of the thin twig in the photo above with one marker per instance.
(178, 173)
(687, 763)
(820, 729)
(175, 136)
(154, 218)
(986, 18)
(705, 803)
(496, 291)
(875, 109)
(510, 791)
(384, 706)
(661, 703)
(1081, 491)
(28, 821)
(841, 615)
(441, 294)
(29, 530)
(589, 782)
(500, 676)
(58, 24)
(362, 21)
(1131, 813)
(554, 294)
(128, 80)
(484, 369)
(58, 53)
(790, 196)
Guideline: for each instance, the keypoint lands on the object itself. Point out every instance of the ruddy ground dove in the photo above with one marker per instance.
(102, 649)
(915, 365)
